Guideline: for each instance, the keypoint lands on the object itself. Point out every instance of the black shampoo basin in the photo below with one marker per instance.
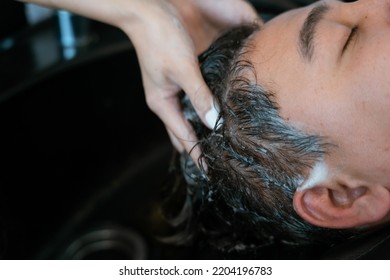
(80, 153)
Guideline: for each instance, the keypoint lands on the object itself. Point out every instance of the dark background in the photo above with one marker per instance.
(83, 160)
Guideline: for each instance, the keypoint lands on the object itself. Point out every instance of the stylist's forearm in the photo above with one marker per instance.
(114, 12)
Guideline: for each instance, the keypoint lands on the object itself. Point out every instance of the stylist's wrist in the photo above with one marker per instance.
(134, 15)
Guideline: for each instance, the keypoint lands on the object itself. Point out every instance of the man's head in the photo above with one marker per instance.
(305, 123)
(329, 66)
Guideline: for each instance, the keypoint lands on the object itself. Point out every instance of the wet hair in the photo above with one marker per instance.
(255, 160)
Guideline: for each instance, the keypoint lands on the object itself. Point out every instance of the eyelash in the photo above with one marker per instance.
(350, 38)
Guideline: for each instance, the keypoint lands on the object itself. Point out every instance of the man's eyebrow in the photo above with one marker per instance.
(308, 30)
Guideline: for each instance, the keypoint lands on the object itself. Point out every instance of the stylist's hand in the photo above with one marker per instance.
(168, 35)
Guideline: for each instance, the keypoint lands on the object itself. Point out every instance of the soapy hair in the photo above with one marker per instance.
(255, 160)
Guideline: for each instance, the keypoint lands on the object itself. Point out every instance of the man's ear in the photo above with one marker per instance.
(342, 204)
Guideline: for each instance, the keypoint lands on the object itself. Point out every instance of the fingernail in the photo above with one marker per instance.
(212, 115)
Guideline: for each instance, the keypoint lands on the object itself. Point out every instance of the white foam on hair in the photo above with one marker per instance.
(318, 175)
(212, 116)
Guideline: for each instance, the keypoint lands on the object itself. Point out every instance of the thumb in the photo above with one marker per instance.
(244, 12)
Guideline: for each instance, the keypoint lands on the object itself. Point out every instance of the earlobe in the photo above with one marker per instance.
(342, 206)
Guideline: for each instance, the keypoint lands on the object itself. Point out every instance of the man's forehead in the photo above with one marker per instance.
(279, 67)
(275, 45)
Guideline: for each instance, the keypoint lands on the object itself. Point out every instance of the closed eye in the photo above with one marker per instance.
(351, 37)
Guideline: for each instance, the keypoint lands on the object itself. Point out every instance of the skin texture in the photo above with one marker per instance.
(341, 95)
(190, 25)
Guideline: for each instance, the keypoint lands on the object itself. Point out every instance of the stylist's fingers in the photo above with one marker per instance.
(183, 133)
(193, 84)
(179, 129)
(228, 13)
(246, 13)
(175, 142)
